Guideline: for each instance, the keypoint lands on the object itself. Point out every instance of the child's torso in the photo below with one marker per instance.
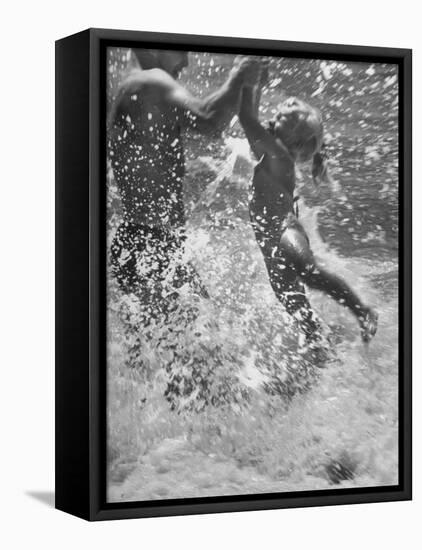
(272, 196)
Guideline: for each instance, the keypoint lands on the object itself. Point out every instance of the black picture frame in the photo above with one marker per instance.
(81, 275)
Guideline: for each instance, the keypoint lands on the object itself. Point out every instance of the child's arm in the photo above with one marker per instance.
(260, 140)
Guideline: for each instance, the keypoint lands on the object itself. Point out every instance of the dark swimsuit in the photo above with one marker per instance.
(287, 255)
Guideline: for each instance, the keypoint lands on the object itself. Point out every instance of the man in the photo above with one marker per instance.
(147, 157)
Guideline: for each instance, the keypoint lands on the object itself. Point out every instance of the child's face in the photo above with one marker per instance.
(292, 125)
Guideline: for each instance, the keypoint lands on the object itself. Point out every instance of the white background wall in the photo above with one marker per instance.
(27, 273)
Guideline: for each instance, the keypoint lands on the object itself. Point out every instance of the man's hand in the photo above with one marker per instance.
(264, 75)
(248, 69)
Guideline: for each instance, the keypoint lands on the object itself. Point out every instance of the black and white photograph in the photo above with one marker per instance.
(210, 236)
(209, 246)
(252, 274)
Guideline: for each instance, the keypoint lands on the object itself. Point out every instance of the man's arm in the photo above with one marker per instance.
(213, 113)
(206, 115)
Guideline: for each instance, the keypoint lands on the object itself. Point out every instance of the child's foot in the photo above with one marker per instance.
(368, 325)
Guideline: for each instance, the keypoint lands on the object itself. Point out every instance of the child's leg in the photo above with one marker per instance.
(295, 248)
(284, 279)
(291, 295)
(325, 281)
(337, 288)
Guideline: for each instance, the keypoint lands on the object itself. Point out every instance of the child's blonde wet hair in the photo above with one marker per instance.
(304, 137)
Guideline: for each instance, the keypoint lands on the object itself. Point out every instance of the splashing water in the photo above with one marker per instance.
(249, 412)
(244, 438)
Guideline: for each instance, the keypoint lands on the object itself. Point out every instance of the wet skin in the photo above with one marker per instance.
(282, 239)
(146, 123)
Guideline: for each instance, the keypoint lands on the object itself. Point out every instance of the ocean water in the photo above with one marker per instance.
(252, 413)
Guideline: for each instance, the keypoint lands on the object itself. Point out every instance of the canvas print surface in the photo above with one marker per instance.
(252, 274)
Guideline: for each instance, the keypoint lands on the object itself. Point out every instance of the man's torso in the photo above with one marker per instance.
(147, 157)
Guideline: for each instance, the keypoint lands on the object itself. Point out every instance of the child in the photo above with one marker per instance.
(296, 134)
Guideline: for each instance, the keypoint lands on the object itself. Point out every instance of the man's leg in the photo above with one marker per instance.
(123, 254)
(184, 272)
